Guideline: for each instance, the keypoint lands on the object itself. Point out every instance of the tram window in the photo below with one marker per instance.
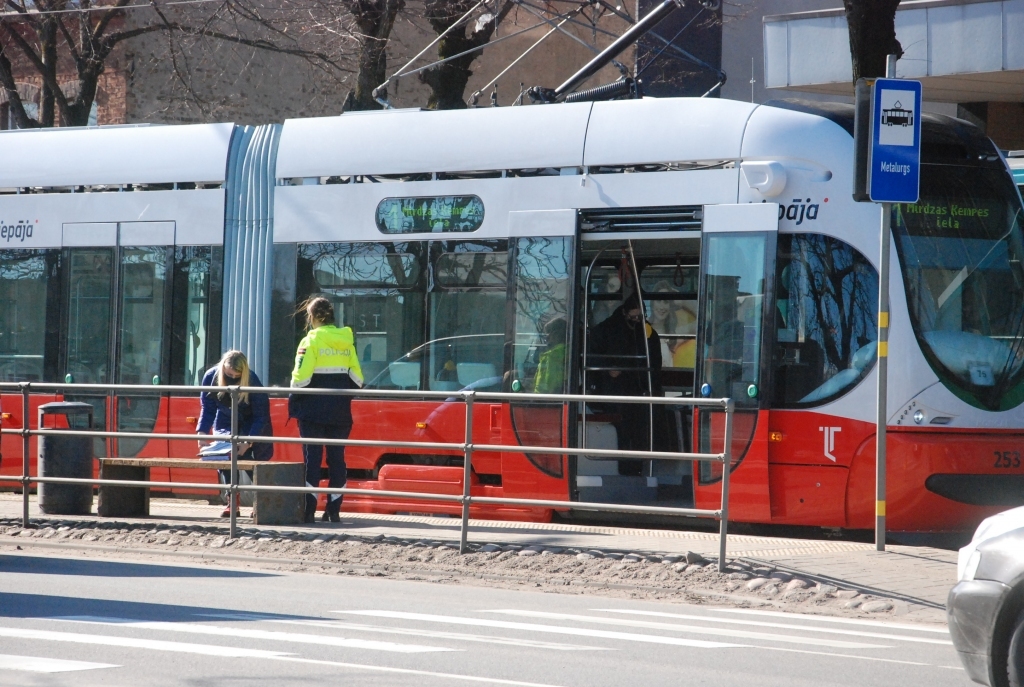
(472, 269)
(467, 318)
(196, 306)
(961, 249)
(90, 284)
(24, 278)
(430, 215)
(605, 292)
(733, 317)
(542, 313)
(670, 300)
(365, 266)
(826, 324)
(378, 291)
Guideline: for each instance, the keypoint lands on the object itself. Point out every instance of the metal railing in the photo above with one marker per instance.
(467, 447)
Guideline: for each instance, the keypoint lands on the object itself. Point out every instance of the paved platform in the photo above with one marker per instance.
(920, 577)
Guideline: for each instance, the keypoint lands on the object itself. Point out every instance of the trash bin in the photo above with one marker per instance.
(65, 457)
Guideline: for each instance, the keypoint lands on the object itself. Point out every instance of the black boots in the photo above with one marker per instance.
(310, 515)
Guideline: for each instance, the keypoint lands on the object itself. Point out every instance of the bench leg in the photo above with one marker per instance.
(123, 502)
(280, 508)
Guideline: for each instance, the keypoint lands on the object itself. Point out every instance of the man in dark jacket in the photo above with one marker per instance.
(626, 340)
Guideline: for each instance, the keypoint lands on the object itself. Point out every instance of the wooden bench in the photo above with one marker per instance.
(272, 508)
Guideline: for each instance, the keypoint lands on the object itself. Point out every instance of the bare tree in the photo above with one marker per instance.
(872, 26)
(55, 39)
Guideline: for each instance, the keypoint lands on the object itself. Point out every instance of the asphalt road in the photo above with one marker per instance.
(83, 622)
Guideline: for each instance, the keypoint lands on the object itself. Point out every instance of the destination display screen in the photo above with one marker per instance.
(430, 215)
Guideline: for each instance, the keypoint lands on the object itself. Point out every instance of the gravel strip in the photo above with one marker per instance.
(632, 574)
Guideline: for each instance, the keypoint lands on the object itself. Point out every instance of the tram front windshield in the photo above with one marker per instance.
(960, 249)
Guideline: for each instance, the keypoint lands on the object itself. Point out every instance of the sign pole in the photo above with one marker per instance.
(883, 355)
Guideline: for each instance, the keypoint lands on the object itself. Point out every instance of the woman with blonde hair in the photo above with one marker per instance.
(253, 411)
(326, 359)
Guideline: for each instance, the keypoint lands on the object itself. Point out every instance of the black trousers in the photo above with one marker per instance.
(314, 455)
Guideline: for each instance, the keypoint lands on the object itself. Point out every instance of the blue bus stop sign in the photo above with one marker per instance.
(894, 163)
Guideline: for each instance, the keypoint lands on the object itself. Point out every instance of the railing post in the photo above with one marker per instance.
(25, 437)
(726, 468)
(232, 488)
(467, 471)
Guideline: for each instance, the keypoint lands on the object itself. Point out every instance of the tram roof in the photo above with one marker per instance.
(112, 155)
(650, 130)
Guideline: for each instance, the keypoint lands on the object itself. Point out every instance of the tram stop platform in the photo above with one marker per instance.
(916, 578)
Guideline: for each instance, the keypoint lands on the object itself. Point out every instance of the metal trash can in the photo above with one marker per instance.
(65, 457)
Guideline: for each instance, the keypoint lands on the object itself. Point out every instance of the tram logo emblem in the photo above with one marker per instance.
(830, 440)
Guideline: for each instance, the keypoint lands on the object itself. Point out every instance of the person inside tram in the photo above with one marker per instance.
(326, 359)
(253, 416)
(674, 320)
(550, 377)
(621, 342)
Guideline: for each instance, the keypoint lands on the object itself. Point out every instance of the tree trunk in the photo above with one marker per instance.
(375, 20)
(872, 25)
(448, 81)
(48, 55)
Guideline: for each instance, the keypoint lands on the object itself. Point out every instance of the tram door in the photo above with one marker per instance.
(737, 258)
(116, 323)
(638, 306)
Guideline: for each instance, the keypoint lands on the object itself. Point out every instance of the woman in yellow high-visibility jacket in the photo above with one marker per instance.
(326, 359)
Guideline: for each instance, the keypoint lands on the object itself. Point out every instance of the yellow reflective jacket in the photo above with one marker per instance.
(326, 359)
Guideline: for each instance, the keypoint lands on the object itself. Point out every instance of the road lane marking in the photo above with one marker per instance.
(855, 656)
(410, 671)
(848, 621)
(34, 664)
(808, 628)
(676, 627)
(435, 634)
(246, 633)
(135, 643)
(536, 627)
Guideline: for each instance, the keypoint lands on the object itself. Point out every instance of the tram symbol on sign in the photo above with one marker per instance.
(897, 116)
(830, 440)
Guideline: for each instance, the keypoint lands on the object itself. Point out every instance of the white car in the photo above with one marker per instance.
(986, 607)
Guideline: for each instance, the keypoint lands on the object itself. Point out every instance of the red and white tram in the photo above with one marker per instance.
(465, 246)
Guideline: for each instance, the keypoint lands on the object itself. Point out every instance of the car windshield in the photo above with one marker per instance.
(960, 248)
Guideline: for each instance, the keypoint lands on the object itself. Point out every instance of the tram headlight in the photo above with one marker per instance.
(919, 417)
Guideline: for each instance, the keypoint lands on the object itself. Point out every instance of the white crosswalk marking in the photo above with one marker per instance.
(34, 664)
(715, 631)
(537, 627)
(220, 631)
(135, 643)
(938, 629)
(787, 626)
(437, 634)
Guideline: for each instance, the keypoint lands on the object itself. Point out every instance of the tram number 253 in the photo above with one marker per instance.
(1007, 459)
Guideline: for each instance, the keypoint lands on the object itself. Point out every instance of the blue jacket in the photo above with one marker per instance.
(253, 417)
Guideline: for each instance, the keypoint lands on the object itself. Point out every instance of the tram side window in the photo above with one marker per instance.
(826, 324)
(670, 299)
(541, 314)
(467, 316)
(196, 312)
(24, 278)
(377, 290)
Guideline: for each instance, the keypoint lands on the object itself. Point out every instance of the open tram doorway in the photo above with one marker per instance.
(637, 314)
